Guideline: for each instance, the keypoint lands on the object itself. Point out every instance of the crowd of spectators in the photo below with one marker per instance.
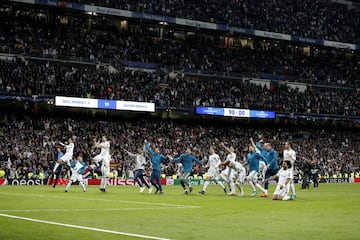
(166, 90)
(30, 143)
(30, 35)
(320, 19)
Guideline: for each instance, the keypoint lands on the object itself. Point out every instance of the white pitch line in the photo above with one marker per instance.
(105, 200)
(82, 227)
(82, 209)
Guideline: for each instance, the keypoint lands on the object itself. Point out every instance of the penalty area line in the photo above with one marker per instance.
(82, 227)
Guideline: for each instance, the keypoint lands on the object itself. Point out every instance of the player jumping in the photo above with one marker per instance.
(104, 157)
(187, 160)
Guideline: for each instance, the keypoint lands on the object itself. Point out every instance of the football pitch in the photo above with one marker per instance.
(40, 212)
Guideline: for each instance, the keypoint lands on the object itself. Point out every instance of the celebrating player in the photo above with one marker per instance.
(252, 159)
(272, 167)
(67, 156)
(228, 174)
(213, 171)
(187, 160)
(156, 160)
(77, 169)
(238, 176)
(55, 176)
(104, 157)
(260, 149)
(290, 155)
(140, 162)
(284, 176)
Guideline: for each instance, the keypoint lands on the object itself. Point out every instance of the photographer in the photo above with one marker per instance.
(306, 169)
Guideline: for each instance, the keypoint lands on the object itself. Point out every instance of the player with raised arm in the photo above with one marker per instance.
(187, 160)
(252, 159)
(272, 167)
(290, 155)
(77, 169)
(239, 174)
(284, 176)
(260, 149)
(156, 160)
(104, 157)
(69, 151)
(140, 163)
(213, 171)
(228, 174)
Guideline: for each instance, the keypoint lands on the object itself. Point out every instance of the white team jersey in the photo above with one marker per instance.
(140, 160)
(214, 161)
(238, 167)
(231, 157)
(283, 175)
(69, 149)
(290, 155)
(105, 148)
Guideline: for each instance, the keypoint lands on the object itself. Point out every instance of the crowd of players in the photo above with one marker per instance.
(31, 143)
(320, 19)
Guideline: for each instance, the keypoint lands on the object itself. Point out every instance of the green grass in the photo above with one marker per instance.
(329, 212)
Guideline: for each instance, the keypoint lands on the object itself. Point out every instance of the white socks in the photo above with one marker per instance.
(83, 186)
(252, 186)
(55, 167)
(68, 185)
(103, 183)
(261, 188)
(292, 186)
(221, 184)
(206, 184)
(232, 187)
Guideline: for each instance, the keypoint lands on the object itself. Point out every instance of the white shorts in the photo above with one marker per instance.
(213, 173)
(66, 159)
(262, 165)
(76, 177)
(281, 192)
(228, 173)
(104, 159)
(253, 175)
(240, 177)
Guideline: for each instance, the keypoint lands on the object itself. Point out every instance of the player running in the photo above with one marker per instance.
(213, 171)
(140, 163)
(252, 159)
(290, 155)
(156, 160)
(284, 176)
(187, 160)
(77, 169)
(228, 173)
(104, 157)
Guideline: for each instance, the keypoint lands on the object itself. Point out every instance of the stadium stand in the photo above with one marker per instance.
(322, 19)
